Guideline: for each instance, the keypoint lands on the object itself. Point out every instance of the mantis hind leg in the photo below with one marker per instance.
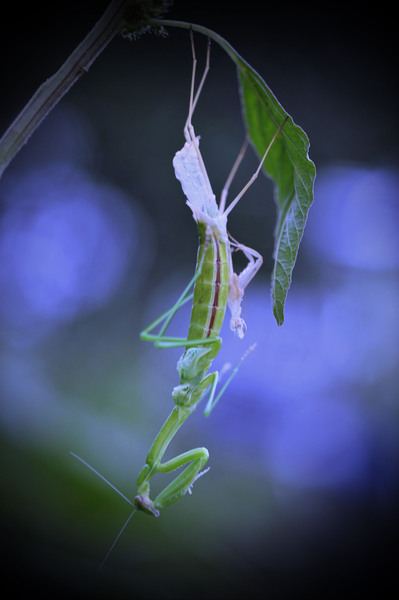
(164, 341)
(160, 339)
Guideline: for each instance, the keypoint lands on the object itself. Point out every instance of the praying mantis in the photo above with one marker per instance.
(214, 288)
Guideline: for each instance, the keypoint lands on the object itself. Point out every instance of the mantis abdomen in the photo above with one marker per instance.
(211, 287)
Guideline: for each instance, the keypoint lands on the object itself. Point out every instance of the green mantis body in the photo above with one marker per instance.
(215, 287)
(202, 345)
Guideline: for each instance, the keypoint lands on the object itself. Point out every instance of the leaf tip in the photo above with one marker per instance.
(278, 315)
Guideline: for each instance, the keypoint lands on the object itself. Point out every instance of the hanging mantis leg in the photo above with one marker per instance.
(160, 339)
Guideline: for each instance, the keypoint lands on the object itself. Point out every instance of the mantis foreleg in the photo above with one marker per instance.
(182, 484)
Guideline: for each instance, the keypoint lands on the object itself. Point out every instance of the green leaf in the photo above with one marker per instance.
(289, 166)
(287, 163)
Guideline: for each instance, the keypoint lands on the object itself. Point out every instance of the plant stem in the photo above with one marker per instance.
(200, 29)
(52, 90)
(118, 14)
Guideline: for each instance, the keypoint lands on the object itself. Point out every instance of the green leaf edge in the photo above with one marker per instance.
(293, 209)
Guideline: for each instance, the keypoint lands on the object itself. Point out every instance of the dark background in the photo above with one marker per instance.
(96, 241)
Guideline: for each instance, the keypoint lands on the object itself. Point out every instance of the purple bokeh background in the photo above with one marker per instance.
(95, 242)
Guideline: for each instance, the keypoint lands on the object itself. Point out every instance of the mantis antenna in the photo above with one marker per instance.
(118, 492)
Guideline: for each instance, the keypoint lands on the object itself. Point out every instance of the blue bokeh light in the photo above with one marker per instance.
(305, 404)
(357, 214)
(65, 245)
